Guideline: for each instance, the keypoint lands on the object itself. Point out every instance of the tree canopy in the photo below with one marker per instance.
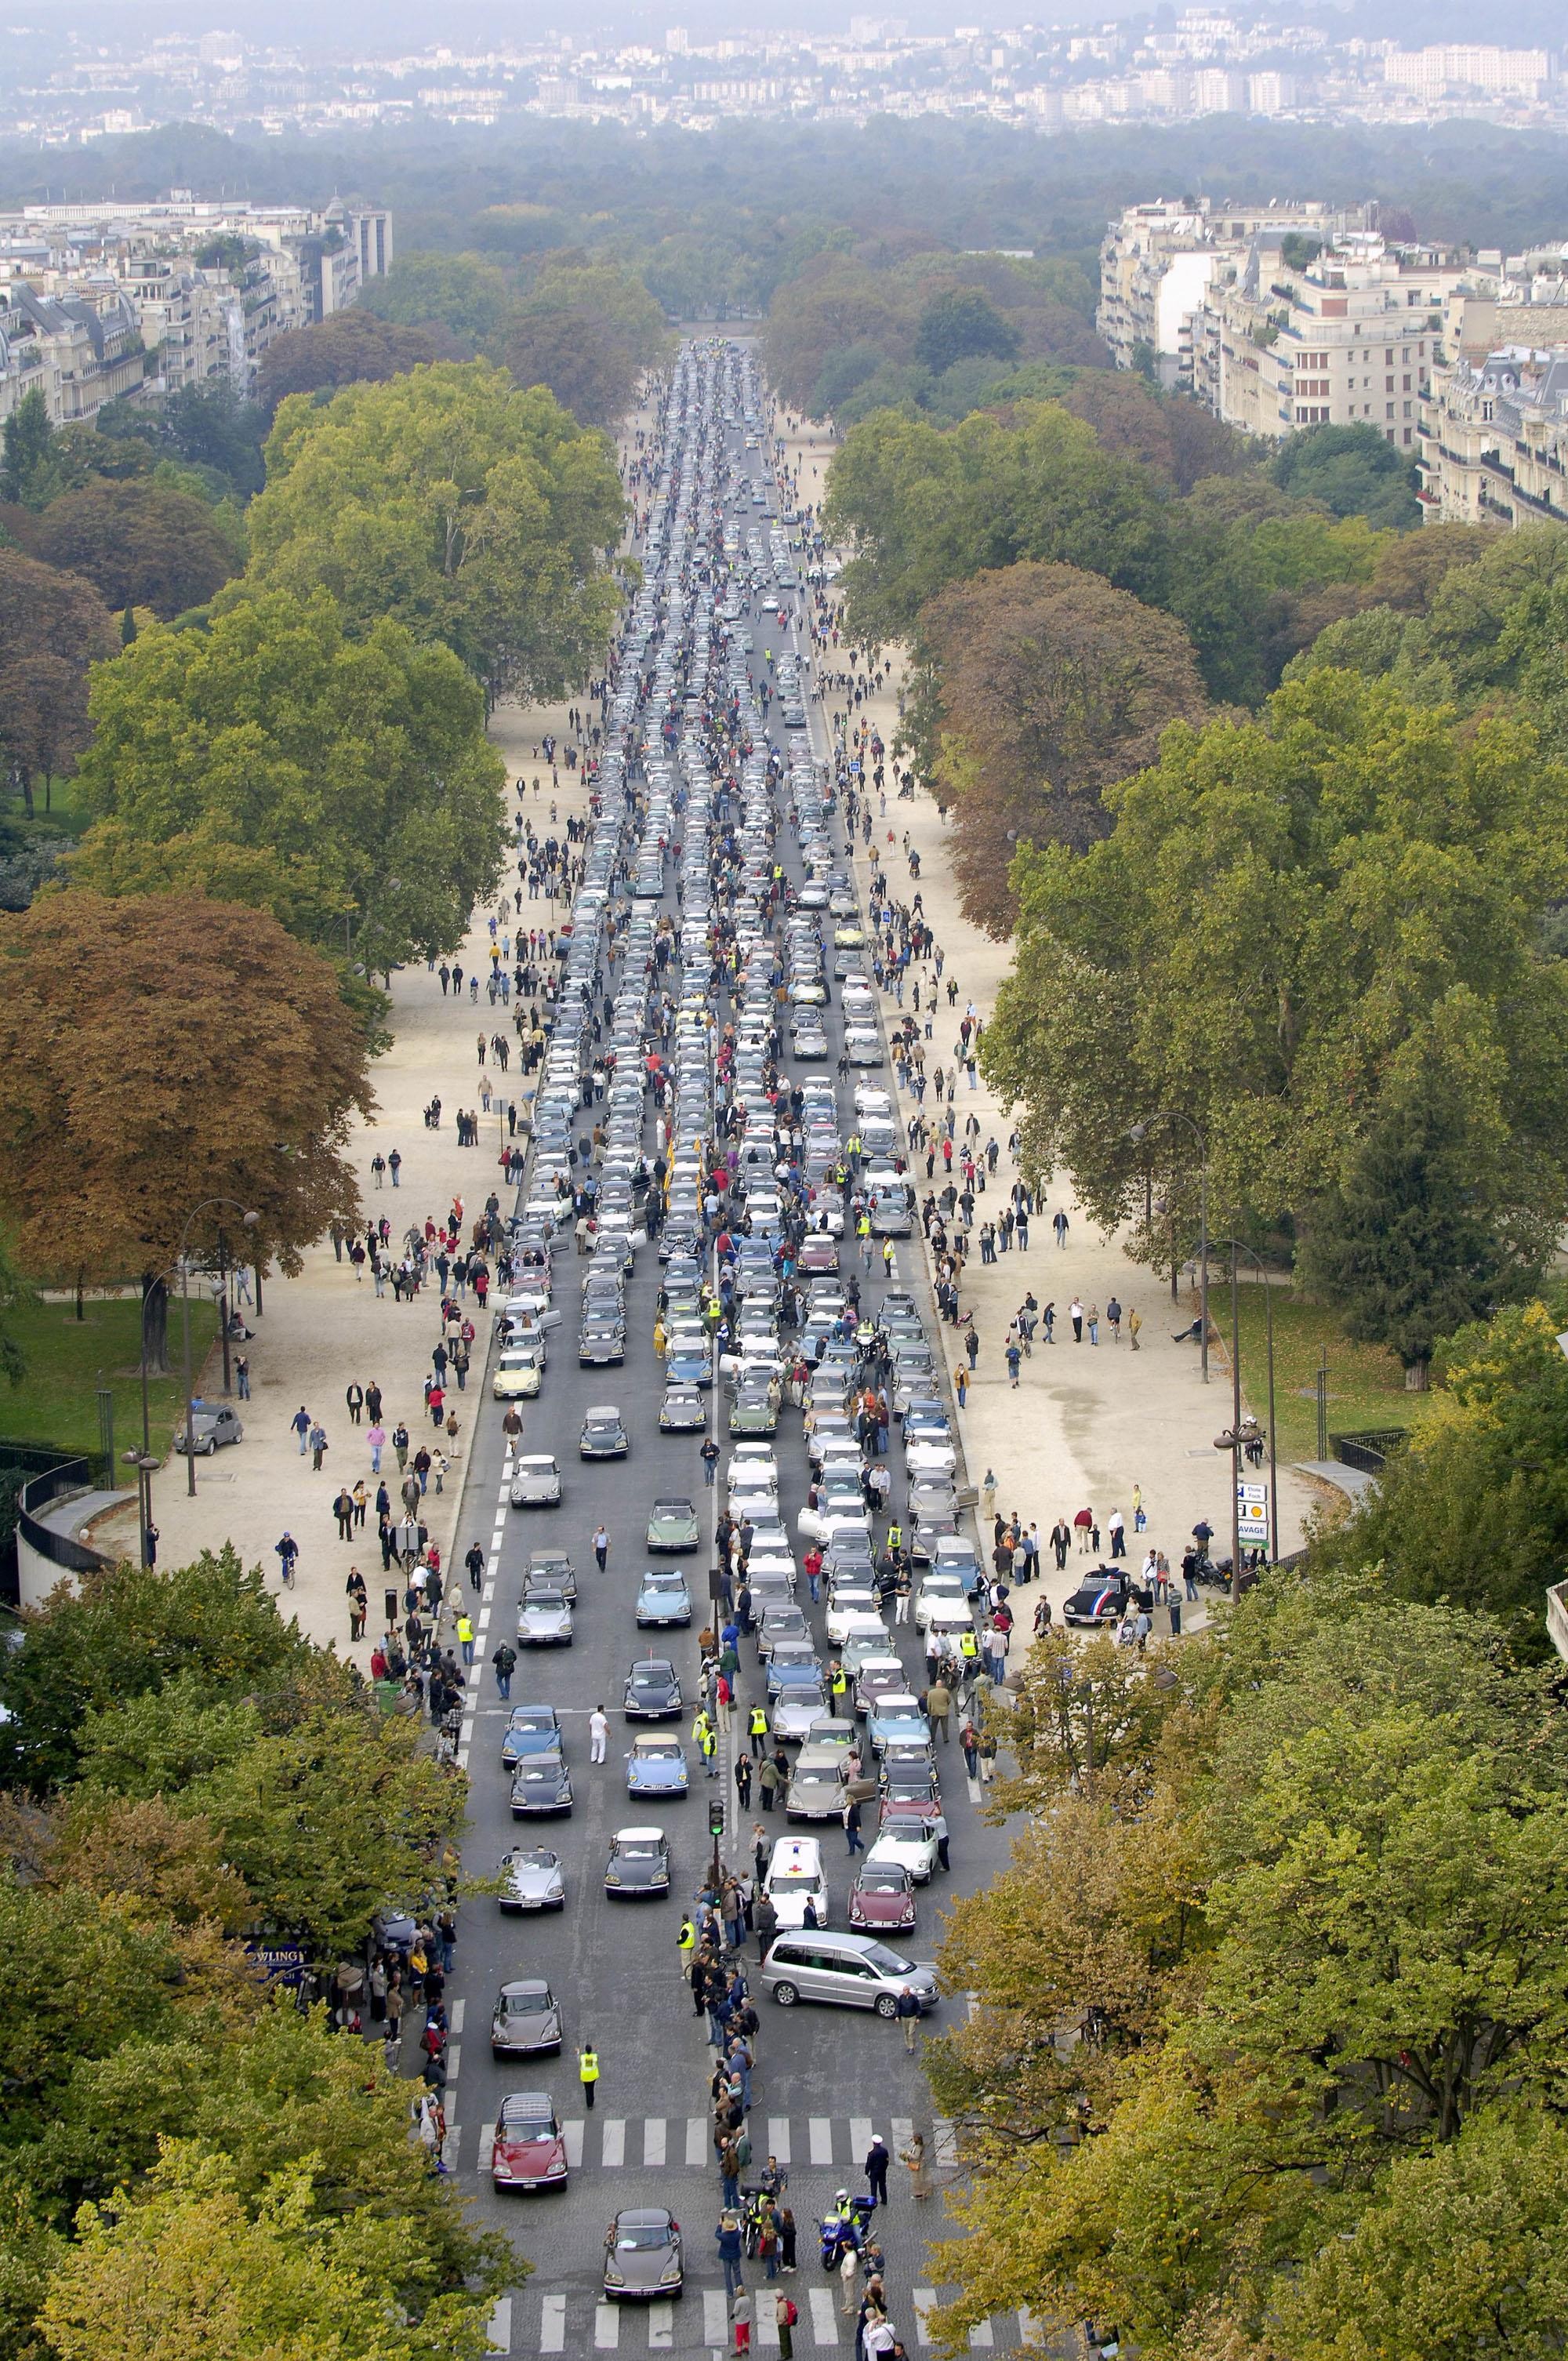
(1277, 1986)
(140, 543)
(162, 1049)
(53, 628)
(457, 504)
(1046, 687)
(351, 347)
(342, 783)
(1353, 471)
(586, 335)
(1297, 925)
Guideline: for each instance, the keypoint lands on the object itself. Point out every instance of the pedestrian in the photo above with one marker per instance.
(1134, 1322)
(242, 1376)
(598, 1733)
(743, 1781)
(851, 1817)
(589, 2073)
(466, 1638)
(877, 2161)
(741, 2316)
(355, 1400)
(318, 1447)
(764, 1924)
(505, 1663)
(342, 1508)
(358, 1603)
(972, 1345)
(302, 1423)
(906, 2009)
(785, 2315)
(602, 1548)
(914, 2155)
(288, 1551)
(727, 2238)
(938, 1706)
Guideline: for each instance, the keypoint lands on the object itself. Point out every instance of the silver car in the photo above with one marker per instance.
(525, 2019)
(534, 1879)
(543, 1619)
(536, 1482)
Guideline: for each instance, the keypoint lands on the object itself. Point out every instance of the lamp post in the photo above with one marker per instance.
(1241, 1431)
(183, 1265)
(1140, 1131)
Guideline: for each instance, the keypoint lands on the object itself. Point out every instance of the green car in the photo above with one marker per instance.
(673, 1526)
(752, 1413)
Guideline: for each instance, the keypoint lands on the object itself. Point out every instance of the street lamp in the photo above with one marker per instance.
(1245, 1431)
(1140, 1131)
(183, 1266)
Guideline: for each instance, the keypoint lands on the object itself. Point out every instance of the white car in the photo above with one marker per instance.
(854, 1616)
(929, 1457)
(544, 1620)
(537, 1481)
(911, 1843)
(940, 1591)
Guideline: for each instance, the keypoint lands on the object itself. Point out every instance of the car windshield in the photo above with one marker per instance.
(631, 2236)
(658, 1746)
(663, 1581)
(530, 2127)
(886, 1963)
(884, 1880)
(637, 1848)
(538, 1598)
(535, 1860)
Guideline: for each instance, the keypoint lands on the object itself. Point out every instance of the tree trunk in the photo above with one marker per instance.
(24, 781)
(81, 1282)
(1417, 1377)
(155, 1323)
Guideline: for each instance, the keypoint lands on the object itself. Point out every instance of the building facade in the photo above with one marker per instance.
(1494, 444)
(1160, 260)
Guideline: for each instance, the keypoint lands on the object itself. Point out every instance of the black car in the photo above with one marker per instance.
(653, 1691)
(601, 1346)
(1100, 1597)
(603, 1435)
(639, 1863)
(540, 1785)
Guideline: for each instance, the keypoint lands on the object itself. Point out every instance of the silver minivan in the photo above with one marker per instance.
(852, 1971)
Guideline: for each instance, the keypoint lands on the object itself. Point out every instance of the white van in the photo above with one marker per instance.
(797, 1883)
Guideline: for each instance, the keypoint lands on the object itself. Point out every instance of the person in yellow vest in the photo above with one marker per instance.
(589, 2071)
(466, 1638)
(757, 1729)
(894, 1538)
(839, 1680)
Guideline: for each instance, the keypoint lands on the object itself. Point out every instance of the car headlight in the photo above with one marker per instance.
(671, 2272)
(613, 2275)
(612, 1877)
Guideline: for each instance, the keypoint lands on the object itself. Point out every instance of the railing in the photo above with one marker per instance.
(1371, 1449)
(74, 1557)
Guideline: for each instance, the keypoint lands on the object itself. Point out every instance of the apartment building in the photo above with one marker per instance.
(1159, 261)
(1494, 441)
(81, 349)
(1453, 66)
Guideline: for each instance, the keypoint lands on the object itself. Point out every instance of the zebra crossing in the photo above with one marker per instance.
(666, 2144)
(554, 2322)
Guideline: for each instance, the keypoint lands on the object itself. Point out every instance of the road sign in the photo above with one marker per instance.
(1252, 1515)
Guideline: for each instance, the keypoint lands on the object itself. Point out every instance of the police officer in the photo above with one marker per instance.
(588, 2073)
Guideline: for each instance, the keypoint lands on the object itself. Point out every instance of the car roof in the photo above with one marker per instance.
(527, 1984)
(639, 1836)
(601, 1409)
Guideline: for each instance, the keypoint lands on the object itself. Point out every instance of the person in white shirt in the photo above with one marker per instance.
(598, 1731)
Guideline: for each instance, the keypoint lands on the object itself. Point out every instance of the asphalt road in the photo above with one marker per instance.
(827, 2078)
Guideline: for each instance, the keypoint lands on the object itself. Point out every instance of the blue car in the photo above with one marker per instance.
(898, 1729)
(663, 1599)
(656, 1765)
(689, 1369)
(783, 1677)
(531, 1729)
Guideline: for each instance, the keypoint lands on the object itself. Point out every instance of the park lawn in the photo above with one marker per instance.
(68, 1359)
(1366, 1383)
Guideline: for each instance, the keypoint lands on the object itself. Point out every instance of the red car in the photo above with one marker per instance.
(530, 2149)
(883, 1895)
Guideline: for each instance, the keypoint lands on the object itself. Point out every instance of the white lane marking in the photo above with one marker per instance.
(821, 2131)
(614, 2142)
(571, 2130)
(498, 2336)
(767, 2321)
(486, 2146)
(652, 2142)
(454, 2061)
(922, 2299)
(459, 2008)
(945, 2145)
(860, 2130)
(981, 2335)
(901, 2131)
(778, 2138)
(552, 2327)
(660, 2327)
(696, 2141)
(1030, 2330)
(714, 2317)
(823, 2322)
(606, 2327)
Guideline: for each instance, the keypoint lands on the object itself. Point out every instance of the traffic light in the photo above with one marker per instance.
(716, 1816)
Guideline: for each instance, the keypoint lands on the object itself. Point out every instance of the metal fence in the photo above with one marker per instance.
(1371, 1450)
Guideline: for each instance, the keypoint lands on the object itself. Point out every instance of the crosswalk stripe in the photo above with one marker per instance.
(606, 2327)
(696, 2141)
(486, 2146)
(860, 2131)
(981, 2335)
(453, 2060)
(654, 2142)
(821, 2133)
(571, 2130)
(714, 2317)
(614, 2141)
(824, 2321)
(778, 2138)
(660, 2327)
(901, 2131)
(1031, 2330)
(552, 2327)
(767, 2333)
(922, 2299)
(498, 2336)
(944, 2145)
(458, 2012)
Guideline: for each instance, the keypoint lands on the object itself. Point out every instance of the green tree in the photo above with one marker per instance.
(963, 323)
(29, 475)
(343, 783)
(460, 293)
(1280, 909)
(139, 543)
(587, 335)
(453, 502)
(53, 628)
(1353, 471)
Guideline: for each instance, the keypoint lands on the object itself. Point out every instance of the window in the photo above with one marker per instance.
(1389, 412)
(1407, 434)
(1387, 385)
(1407, 410)
(1387, 355)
